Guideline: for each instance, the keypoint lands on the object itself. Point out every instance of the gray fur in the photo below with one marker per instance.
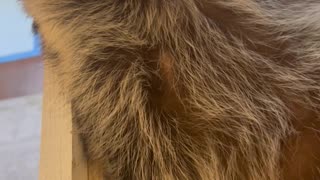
(185, 89)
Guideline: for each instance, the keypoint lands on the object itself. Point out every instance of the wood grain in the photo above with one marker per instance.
(61, 151)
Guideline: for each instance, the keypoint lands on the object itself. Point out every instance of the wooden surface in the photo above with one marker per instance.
(61, 152)
(20, 78)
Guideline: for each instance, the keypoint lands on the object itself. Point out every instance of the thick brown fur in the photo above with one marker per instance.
(190, 89)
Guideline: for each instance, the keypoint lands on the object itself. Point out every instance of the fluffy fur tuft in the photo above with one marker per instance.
(189, 89)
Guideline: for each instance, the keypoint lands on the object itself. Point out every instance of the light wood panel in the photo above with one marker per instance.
(61, 152)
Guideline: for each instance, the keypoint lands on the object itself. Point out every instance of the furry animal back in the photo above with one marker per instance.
(190, 89)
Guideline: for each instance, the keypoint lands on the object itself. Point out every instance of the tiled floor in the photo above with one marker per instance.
(20, 137)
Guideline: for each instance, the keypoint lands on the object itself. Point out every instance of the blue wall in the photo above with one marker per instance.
(16, 39)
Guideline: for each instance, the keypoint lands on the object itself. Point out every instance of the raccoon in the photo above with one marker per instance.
(190, 89)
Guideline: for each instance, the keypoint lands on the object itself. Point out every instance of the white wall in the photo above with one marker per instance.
(15, 29)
